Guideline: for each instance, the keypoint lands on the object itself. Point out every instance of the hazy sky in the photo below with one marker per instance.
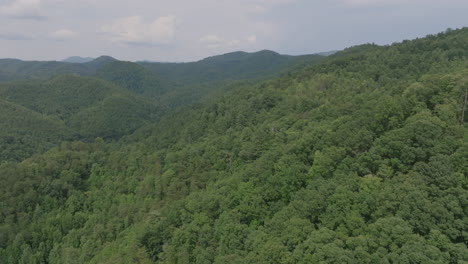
(187, 30)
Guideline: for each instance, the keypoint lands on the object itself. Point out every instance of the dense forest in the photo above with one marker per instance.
(357, 157)
(108, 98)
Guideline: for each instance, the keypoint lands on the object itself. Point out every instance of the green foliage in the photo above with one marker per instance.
(12, 69)
(358, 159)
(37, 115)
(25, 132)
(131, 76)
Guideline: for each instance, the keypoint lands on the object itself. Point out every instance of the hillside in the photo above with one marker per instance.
(12, 69)
(89, 107)
(358, 158)
(111, 104)
(120, 97)
(25, 132)
(234, 66)
(170, 85)
(133, 77)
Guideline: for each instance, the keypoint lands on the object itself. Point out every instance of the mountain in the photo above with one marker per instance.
(232, 66)
(12, 69)
(132, 76)
(357, 158)
(78, 59)
(100, 106)
(179, 84)
(99, 62)
(235, 66)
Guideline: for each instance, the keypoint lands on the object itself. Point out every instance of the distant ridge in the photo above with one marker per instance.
(101, 61)
(327, 53)
(78, 59)
(241, 55)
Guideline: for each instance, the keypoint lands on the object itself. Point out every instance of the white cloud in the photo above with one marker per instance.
(62, 34)
(23, 9)
(233, 43)
(215, 42)
(211, 39)
(251, 39)
(133, 30)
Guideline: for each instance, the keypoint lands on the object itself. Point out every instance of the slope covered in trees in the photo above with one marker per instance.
(37, 115)
(25, 132)
(358, 159)
(12, 69)
(181, 84)
(234, 66)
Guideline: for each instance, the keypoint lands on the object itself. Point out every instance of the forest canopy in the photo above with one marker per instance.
(358, 157)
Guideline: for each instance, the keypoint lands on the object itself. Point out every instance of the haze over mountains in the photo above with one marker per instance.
(78, 59)
(356, 157)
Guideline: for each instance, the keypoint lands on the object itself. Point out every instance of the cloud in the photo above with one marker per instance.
(133, 30)
(23, 9)
(256, 9)
(382, 2)
(62, 34)
(14, 36)
(251, 39)
(215, 42)
(211, 39)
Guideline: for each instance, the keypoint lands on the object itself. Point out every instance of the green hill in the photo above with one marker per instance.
(87, 106)
(234, 66)
(133, 77)
(360, 158)
(25, 132)
(172, 85)
(12, 69)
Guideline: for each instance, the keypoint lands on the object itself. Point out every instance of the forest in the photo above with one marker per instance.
(355, 157)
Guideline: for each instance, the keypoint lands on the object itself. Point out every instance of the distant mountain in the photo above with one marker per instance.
(78, 59)
(13, 69)
(178, 84)
(99, 62)
(235, 66)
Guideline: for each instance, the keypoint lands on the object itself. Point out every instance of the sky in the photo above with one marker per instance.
(189, 30)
